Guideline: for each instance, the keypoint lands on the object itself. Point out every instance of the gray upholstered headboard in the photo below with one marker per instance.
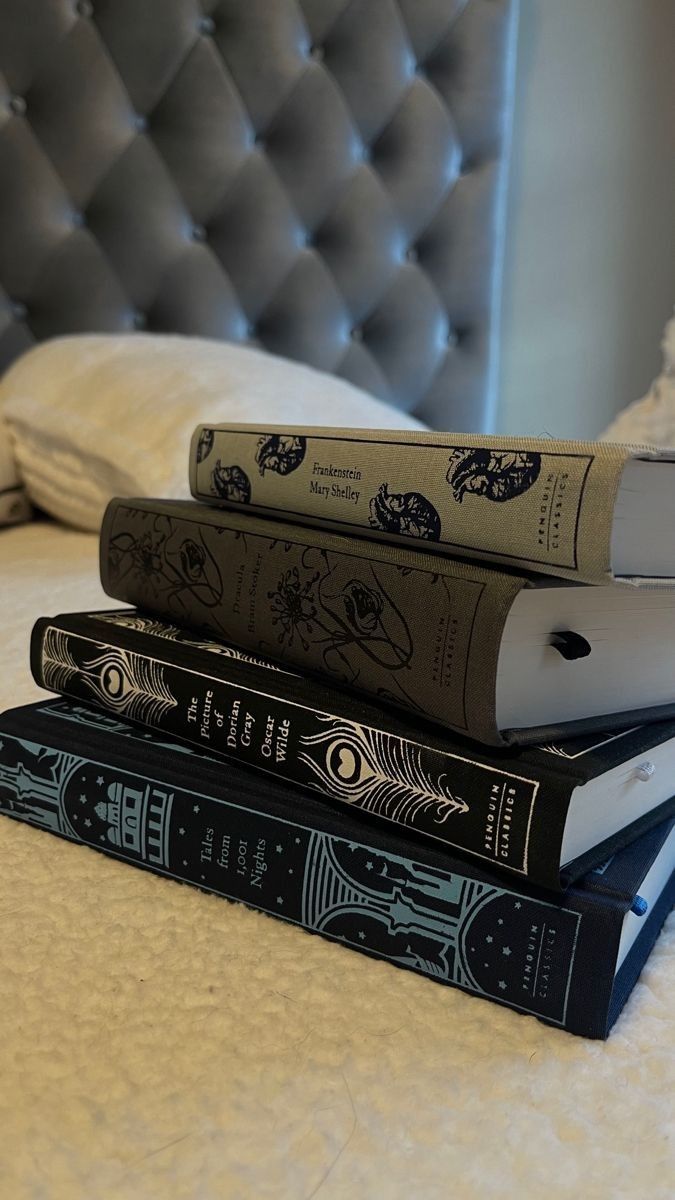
(323, 178)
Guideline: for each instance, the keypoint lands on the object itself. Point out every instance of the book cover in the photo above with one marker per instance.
(506, 808)
(536, 503)
(97, 780)
(418, 631)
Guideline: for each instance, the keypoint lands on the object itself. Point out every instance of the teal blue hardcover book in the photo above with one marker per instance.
(570, 960)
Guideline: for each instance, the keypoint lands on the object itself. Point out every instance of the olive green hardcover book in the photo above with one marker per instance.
(494, 654)
(588, 511)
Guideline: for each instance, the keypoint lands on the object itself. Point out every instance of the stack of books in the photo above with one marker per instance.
(415, 695)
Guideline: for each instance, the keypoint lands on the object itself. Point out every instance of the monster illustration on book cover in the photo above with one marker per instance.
(167, 565)
(205, 444)
(281, 453)
(409, 514)
(230, 483)
(497, 475)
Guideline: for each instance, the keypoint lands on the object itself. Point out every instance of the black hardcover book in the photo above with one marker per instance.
(546, 813)
(571, 960)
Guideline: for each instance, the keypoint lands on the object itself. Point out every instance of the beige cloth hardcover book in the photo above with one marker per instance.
(588, 511)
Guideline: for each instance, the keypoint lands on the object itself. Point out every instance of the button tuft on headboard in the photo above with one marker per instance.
(312, 230)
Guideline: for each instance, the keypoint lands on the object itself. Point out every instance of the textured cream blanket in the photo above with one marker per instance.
(159, 1044)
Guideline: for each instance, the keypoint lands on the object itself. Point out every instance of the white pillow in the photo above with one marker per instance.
(101, 415)
(14, 506)
(651, 419)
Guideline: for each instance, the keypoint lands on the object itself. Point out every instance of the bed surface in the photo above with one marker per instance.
(162, 1043)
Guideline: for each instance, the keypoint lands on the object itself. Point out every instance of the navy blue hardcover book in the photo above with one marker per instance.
(570, 960)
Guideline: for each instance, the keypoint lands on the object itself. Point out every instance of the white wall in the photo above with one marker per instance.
(590, 264)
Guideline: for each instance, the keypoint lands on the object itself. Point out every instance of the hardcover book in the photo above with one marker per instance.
(494, 655)
(546, 813)
(584, 510)
(571, 961)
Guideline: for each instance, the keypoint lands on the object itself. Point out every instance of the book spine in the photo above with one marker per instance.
(481, 808)
(423, 639)
(526, 503)
(490, 940)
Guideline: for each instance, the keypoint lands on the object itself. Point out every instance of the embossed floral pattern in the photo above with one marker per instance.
(142, 555)
(363, 606)
(293, 606)
(192, 558)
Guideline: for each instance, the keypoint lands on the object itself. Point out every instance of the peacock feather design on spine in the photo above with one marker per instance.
(58, 664)
(129, 684)
(378, 772)
(175, 634)
(132, 620)
(557, 750)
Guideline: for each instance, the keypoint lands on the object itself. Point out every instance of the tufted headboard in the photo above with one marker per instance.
(322, 178)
